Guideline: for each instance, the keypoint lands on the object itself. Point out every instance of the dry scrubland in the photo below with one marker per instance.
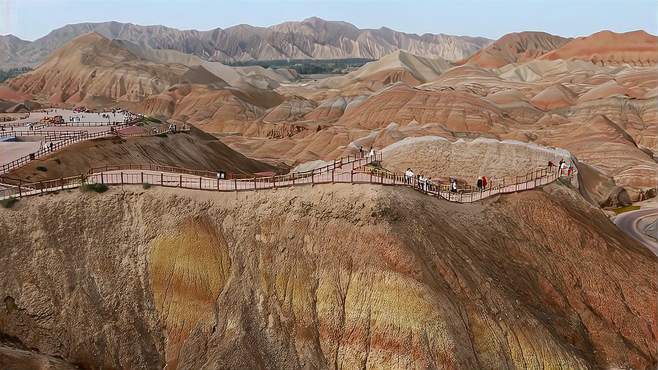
(341, 276)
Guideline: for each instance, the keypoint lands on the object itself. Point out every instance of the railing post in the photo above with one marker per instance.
(255, 188)
(312, 177)
(371, 177)
(352, 176)
(274, 181)
(142, 176)
(293, 178)
(180, 181)
(161, 179)
(41, 186)
(235, 184)
(217, 184)
(200, 182)
(20, 194)
(102, 179)
(332, 176)
(61, 179)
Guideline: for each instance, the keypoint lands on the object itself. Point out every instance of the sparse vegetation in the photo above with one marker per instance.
(98, 188)
(13, 72)
(307, 66)
(9, 202)
(161, 135)
(625, 209)
(146, 186)
(42, 168)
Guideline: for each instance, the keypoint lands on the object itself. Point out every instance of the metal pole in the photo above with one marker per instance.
(180, 181)
(161, 179)
(142, 176)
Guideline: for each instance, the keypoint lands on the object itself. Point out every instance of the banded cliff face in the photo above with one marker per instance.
(340, 276)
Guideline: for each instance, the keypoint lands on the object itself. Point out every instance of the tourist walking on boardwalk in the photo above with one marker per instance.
(479, 183)
(560, 166)
(371, 154)
(360, 152)
(453, 185)
(421, 182)
(408, 176)
(484, 182)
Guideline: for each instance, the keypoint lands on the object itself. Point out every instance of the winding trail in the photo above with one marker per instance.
(629, 222)
(350, 170)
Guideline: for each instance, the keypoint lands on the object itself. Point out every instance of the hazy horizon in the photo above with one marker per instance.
(32, 19)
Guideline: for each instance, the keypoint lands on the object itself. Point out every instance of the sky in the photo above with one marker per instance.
(31, 19)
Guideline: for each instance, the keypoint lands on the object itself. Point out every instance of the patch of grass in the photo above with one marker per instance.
(42, 168)
(8, 203)
(625, 209)
(98, 188)
(149, 120)
(146, 186)
(161, 135)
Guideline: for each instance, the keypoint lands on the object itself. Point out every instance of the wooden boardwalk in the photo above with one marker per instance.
(349, 170)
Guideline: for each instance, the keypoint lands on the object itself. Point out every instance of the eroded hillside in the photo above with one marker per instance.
(341, 276)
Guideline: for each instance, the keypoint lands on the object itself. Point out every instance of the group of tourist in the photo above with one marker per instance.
(563, 167)
(421, 182)
(371, 153)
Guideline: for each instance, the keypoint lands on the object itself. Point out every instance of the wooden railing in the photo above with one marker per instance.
(345, 170)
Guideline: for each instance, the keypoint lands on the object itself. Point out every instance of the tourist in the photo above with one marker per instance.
(479, 183)
(570, 169)
(408, 176)
(50, 146)
(559, 167)
(453, 185)
(371, 154)
(484, 182)
(360, 152)
(421, 182)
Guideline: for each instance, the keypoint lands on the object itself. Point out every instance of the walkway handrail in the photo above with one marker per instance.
(346, 170)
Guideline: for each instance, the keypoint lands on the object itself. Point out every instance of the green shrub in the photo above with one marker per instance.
(161, 135)
(626, 209)
(8, 203)
(146, 186)
(42, 168)
(99, 188)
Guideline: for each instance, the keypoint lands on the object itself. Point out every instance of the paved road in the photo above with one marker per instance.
(629, 221)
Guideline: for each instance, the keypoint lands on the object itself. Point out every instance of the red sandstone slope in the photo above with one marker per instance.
(344, 276)
(609, 48)
(515, 48)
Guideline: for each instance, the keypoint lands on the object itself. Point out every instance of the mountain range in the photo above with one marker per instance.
(312, 38)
